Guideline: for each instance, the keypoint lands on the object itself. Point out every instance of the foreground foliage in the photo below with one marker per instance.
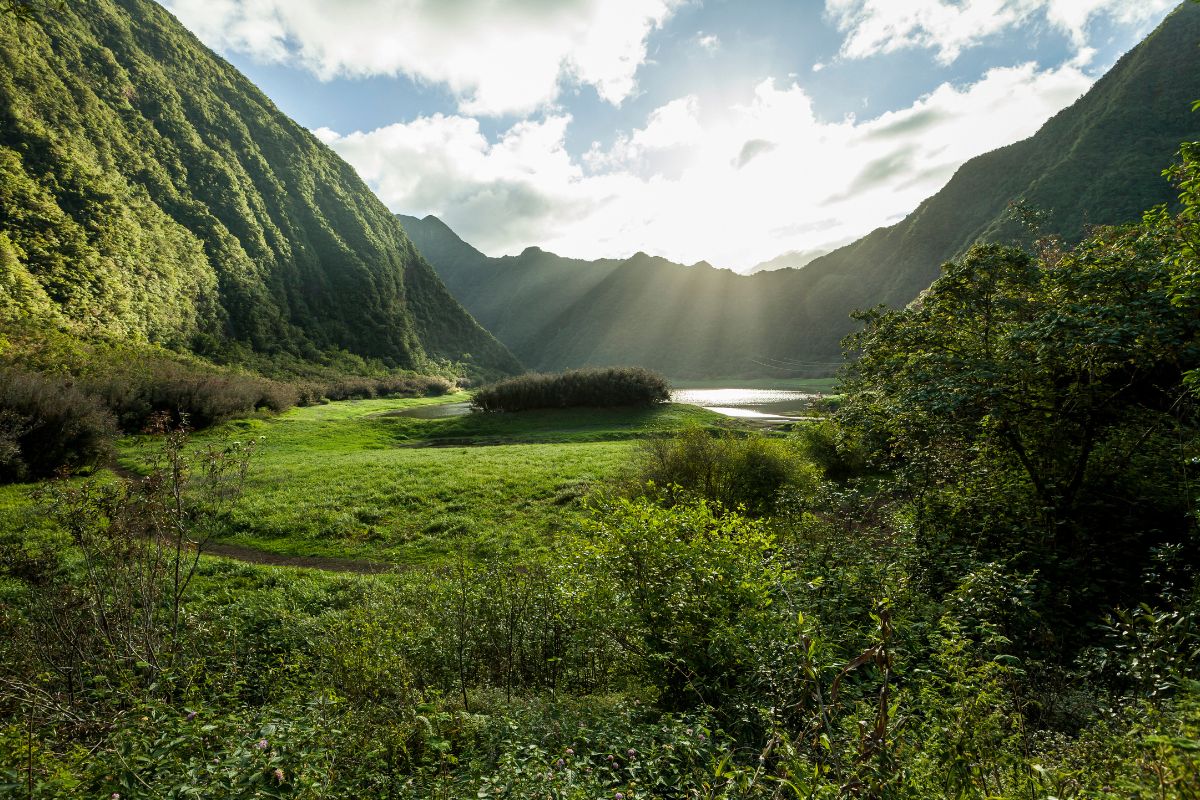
(978, 579)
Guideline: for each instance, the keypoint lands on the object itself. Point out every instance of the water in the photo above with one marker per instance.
(758, 405)
(762, 405)
(434, 411)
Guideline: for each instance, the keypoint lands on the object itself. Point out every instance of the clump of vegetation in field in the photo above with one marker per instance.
(598, 387)
(748, 471)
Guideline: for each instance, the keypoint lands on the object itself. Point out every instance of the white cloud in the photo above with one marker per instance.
(884, 26)
(496, 57)
(708, 42)
(747, 182)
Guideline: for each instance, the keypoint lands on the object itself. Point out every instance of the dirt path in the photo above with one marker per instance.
(252, 555)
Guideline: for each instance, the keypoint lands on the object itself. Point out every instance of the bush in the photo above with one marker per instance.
(594, 387)
(746, 472)
(205, 397)
(356, 388)
(47, 423)
(832, 448)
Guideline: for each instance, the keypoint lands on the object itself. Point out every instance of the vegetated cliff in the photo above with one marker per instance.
(149, 192)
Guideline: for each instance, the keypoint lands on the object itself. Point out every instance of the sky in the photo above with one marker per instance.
(729, 131)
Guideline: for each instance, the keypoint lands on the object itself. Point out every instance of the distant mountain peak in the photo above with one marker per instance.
(1098, 161)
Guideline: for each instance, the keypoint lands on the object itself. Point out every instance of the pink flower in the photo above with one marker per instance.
(570, 752)
(191, 715)
(631, 752)
(278, 773)
(261, 744)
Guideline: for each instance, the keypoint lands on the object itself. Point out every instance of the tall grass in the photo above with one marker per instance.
(596, 387)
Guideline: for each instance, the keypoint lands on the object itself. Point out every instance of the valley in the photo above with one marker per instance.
(301, 498)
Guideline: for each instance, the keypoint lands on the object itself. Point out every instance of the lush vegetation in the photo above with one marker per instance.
(977, 578)
(63, 399)
(597, 387)
(413, 487)
(1096, 162)
(150, 194)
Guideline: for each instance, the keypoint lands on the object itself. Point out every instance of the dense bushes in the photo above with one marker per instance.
(392, 386)
(47, 423)
(50, 422)
(134, 396)
(745, 472)
(597, 387)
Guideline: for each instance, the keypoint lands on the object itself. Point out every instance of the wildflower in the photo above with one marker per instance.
(610, 756)
(689, 731)
(570, 752)
(115, 796)
(191, 715)
(631, 752)
(618, 796)
(278, 773)
(560, 763)
(261, 744)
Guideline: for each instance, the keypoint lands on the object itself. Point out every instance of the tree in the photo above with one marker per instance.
(1037, 403)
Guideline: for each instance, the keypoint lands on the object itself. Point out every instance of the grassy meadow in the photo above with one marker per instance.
(354, 479)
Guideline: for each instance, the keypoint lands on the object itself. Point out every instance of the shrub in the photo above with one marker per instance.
(47, 423)
(598, 387)
(746, 472)
(412, 386)
(833, 448)
(135, 396)
(356, 388)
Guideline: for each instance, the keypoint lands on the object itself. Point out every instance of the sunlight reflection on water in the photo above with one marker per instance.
(759, 404)
(740, 397)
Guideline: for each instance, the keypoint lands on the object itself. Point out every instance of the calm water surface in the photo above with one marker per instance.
(764, 405)
(759, 404)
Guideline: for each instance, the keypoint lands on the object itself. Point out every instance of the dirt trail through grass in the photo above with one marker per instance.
(251, 555)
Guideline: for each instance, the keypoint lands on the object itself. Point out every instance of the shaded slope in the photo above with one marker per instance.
(149, 192)
(1097, 162)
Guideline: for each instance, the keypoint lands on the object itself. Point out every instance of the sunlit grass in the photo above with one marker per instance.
(351, 479)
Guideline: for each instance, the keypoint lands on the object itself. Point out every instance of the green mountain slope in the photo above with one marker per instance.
(1097, 162)
(150, 193)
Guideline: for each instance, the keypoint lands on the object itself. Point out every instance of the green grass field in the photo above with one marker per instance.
(352, 479)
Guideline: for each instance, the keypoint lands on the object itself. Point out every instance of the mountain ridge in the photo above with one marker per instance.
(1098, 161)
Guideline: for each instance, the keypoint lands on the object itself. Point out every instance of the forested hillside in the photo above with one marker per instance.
(149, 193)
(1097, 162)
